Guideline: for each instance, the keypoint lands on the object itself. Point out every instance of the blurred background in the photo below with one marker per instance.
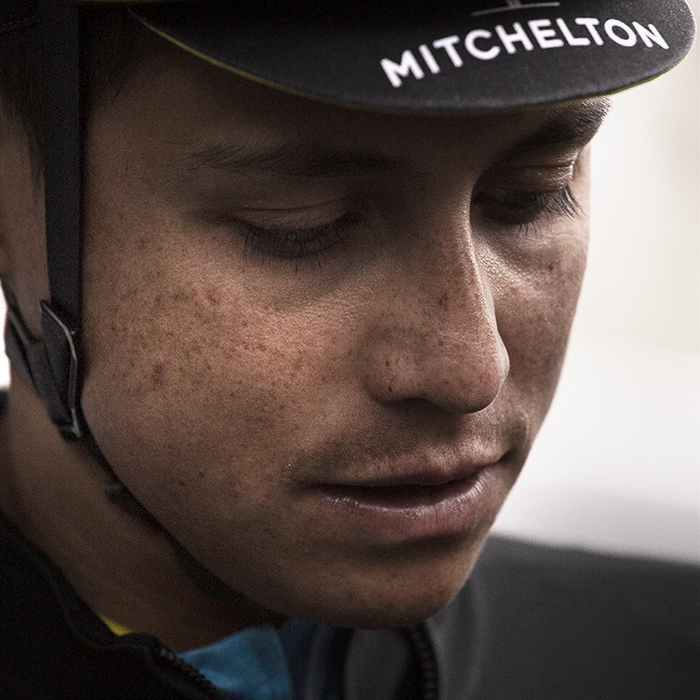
(617, 464)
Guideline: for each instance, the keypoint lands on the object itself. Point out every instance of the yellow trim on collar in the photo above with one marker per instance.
(116, 628)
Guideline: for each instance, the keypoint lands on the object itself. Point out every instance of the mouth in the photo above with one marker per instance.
(416, 508)
(400, 496)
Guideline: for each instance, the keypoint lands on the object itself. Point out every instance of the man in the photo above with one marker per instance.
(329, 265)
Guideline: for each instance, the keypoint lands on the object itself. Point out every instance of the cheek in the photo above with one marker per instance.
(536, 303)
(190, 376)
(536, 294)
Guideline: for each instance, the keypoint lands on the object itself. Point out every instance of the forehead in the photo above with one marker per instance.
(202, 116)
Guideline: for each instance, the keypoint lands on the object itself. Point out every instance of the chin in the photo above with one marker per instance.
(397, 594)
(401, 610)
(403, 614)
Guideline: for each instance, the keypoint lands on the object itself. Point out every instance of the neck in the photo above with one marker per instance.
(123, 567)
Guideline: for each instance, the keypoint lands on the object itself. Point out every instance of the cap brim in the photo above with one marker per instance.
(481, 55)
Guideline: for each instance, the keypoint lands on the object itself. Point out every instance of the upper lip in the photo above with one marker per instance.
(429, 474)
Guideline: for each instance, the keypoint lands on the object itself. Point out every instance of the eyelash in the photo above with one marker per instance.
(297, 243)
(521, 208)
(524, 207)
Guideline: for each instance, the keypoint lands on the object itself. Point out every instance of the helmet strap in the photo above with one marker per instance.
(52, 366)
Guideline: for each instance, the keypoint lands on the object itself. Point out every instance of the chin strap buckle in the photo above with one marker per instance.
(62, 355)
(50, 366)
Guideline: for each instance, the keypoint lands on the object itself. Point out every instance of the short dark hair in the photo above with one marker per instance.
(114, 45)
(20, 81)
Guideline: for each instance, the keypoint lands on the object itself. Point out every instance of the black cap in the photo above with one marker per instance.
(440, 56)
(17, 15)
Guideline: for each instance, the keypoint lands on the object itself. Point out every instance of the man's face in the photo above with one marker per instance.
(319, 342)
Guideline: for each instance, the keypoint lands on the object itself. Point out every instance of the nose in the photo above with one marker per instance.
(438, 338)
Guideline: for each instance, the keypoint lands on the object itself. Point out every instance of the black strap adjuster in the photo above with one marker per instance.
(62, 356)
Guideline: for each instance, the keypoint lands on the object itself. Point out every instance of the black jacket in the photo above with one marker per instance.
(532, 623)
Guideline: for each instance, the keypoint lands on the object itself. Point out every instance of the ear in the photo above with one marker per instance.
(6, 168)
(21, 199)
(4, 223)
(22, 241)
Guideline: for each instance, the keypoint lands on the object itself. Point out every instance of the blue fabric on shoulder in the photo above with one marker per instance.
(248, 665)
(297, 640)
(263, 663)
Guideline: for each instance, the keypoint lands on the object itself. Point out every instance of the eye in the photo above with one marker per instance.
(519, 207)
(297, 242)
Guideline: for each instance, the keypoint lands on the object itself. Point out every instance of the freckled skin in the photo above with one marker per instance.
(220, 384)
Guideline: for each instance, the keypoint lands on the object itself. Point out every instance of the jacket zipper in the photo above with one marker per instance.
(193, 675)
(420, 642)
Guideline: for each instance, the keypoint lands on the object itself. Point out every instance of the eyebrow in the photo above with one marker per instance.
(289, 159)
(569, 124)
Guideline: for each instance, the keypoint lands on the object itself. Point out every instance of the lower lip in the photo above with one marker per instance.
(416, 513)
